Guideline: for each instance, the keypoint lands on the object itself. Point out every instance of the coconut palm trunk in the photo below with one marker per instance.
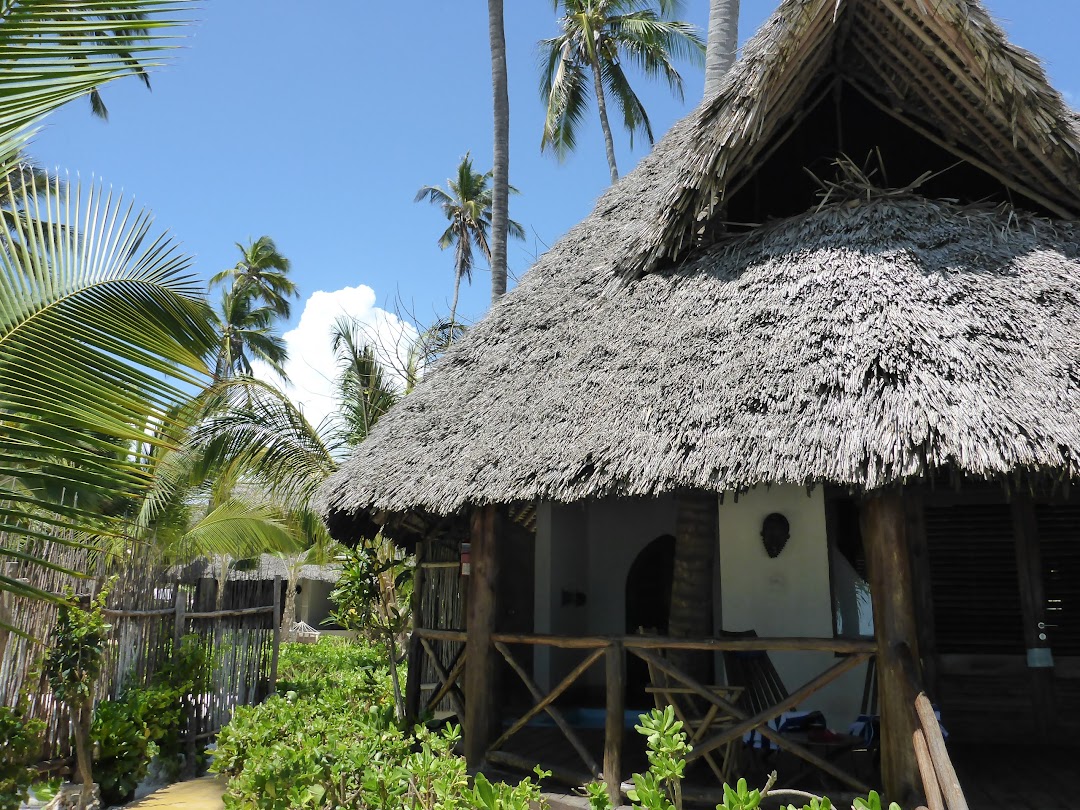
(696, 542)
(500, 170)
(723, 42)
(601, 106)
(457, 291)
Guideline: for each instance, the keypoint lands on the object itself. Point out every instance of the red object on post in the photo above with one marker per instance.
(465, 563)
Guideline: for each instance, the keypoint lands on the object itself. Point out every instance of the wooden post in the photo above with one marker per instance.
(1033, 609)
(480, 699)
(414, 666)
(276, 616)
(180, 621)
(613, 724)
(883, 523)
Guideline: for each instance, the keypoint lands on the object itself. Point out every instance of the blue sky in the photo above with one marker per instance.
(318, 127)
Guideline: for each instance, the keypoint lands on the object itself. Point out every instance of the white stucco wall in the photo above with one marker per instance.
(788, 595)
(590, 548)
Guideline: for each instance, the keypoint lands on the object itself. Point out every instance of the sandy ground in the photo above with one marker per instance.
(195, 794)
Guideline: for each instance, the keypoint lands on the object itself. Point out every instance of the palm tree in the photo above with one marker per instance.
(467, 205)
(262, 272)
(723, 43)
(696, 541)
(364, 393)
(100, 325)
(500, 170)
(245, 331)
(597, 37)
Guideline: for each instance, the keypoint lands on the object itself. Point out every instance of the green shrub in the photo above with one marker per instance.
(331, 741)
(122, 748)
(333, 663)
(20, 744)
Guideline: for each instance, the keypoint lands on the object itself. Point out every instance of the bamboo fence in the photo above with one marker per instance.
(149, 610)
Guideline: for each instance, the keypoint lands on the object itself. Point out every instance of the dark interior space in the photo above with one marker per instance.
(782, 185)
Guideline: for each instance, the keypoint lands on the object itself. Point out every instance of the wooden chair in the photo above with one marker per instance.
(762, 686)
(699, 722)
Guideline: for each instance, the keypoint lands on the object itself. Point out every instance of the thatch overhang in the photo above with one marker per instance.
(859, 345)
(710, 326)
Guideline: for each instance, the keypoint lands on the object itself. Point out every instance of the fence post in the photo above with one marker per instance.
(613, 724)
(277, 635)
(190, 724)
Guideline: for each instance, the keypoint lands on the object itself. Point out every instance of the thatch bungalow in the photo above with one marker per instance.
(844, 291)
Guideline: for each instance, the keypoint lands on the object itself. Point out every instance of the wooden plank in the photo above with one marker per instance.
(415, 660)
(276, 618)
(564, 684)
(553, 712)
(778, 739)
(615, 677)
(1033, 607)
(946, 773)
(221, 614)
(792, 644)
(922, 584)
(931, 788)
(883, 527)
(449, 680)
(435, 634)
(480, 698)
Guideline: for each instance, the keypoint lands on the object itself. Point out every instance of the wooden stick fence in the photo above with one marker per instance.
(149, 612)
(611, 650)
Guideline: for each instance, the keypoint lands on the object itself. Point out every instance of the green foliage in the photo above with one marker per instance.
(816, 804)
(872, 802)
(20, 742)
(73, 663)
(740, 798)
(332, 664)
(122, 748)
(331, 741)
(373, 592)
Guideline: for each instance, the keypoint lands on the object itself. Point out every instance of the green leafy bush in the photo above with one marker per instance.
(660, 787)
(20, 743)
(332, 741)
(122, 748)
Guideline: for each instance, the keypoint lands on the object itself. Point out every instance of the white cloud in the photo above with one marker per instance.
(311, 366)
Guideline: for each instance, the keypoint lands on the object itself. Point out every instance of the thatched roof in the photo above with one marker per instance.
(265, 567)
(860, 344)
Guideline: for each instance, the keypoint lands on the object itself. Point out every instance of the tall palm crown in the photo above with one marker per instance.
(598, 37)
(246, 331)
(262, 272)
(467, 205)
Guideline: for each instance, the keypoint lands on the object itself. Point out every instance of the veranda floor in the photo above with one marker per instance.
(994, 777)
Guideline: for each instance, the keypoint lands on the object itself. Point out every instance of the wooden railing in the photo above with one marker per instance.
(612, 650)
(940, 784)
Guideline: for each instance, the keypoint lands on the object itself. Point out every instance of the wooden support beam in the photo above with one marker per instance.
(415, 660)
(449, 679)
(546, 704)
(768, 733)
(943, 767)
(546, 701)
(883, 527)
(613, 724)
(481, 715)
(1033, 610)
(931, 788)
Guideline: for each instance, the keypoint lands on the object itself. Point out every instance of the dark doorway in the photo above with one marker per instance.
(648, 600)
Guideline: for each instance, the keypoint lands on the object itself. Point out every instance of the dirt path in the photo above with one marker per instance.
(196, 794)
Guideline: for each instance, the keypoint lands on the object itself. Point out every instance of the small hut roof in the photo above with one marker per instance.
(266, 567)
(859, 344)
